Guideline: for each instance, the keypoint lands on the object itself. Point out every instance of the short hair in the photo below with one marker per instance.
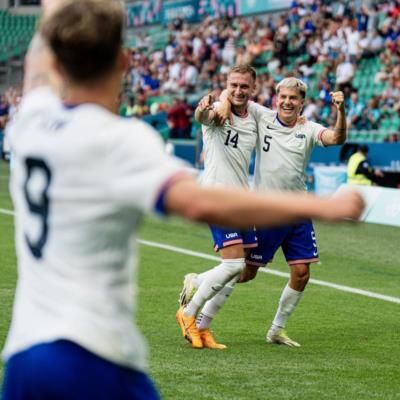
(86, 37)
(243, 69)
(293, 83)
(363, 148)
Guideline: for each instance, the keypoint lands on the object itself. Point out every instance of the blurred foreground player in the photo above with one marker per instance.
(81, 180)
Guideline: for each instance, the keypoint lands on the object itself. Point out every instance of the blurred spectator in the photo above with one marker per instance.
(311, 109)
(371, 115)
(359, 171)
(355, 111)
(179, 117)
(3, 110)
(344, 73)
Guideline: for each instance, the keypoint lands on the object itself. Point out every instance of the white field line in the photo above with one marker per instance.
(205, 256)
(277, 273)
(6, 212)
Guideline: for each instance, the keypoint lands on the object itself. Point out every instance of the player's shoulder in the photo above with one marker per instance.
(41, 98)
(257, 108)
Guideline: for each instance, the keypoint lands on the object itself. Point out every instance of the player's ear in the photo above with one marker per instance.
(58, 68)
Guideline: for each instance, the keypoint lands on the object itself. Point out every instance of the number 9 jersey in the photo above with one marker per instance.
(81, 179)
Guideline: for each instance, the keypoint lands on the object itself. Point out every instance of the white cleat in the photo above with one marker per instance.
(280, 337)
(188, 289)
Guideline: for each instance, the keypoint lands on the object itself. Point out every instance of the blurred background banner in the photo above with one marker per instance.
(153, 12)
(219, 8)
(328, 179)
(143, 13)
(187, 10)
(247, 7)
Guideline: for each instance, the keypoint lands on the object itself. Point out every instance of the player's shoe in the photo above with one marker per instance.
(188, 289)
(189, 329)
(208, 340)
(279, 336)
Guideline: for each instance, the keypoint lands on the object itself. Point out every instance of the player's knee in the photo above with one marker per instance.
(234, 266)
(252, 271)
(301, 276)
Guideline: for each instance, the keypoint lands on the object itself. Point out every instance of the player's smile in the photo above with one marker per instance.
(290, 104)
(240, 87)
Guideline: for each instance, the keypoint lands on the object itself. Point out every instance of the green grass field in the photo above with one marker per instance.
(350, 342)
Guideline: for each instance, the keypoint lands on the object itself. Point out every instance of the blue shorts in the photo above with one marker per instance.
(298, 243)
(62, 370)
(225, 237)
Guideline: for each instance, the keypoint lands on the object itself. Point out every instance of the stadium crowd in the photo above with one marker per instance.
(323, 44)
(329, 45)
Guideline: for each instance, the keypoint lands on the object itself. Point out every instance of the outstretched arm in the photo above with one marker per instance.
(206, 114)
(244, 209)
(339, 134)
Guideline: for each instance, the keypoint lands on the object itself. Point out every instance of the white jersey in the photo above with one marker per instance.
(81, 179)
(227, 151)
(282, 153)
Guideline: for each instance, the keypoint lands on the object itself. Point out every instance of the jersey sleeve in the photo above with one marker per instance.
(316, 131)
(32, 104)
(144, 171)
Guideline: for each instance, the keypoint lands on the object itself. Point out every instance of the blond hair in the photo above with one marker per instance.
(244, 69)
(293, 83)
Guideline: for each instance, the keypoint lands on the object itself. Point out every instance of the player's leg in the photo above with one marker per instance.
(290, 298)
(208, 313)
(215, 304)
(63, 370)
(212, 282)
(198, 289)
(300, 249)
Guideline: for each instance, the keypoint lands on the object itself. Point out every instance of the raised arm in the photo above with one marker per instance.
(243, 209)
(339, 134)
(39, 60)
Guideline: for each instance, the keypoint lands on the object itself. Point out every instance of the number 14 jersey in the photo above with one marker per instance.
(227, 151)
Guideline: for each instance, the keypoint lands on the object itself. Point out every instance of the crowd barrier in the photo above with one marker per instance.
(328, 179)
(383, 204)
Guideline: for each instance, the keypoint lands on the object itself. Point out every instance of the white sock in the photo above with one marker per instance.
(287, 304)
(212, 282)
(213, 305)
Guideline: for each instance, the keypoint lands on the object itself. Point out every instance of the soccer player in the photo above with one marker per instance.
(227, 152)
(282, 154)
(81, 179)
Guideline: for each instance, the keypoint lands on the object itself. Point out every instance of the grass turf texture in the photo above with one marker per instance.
(350, 343)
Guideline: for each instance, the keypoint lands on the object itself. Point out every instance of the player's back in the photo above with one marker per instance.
(79, 183)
